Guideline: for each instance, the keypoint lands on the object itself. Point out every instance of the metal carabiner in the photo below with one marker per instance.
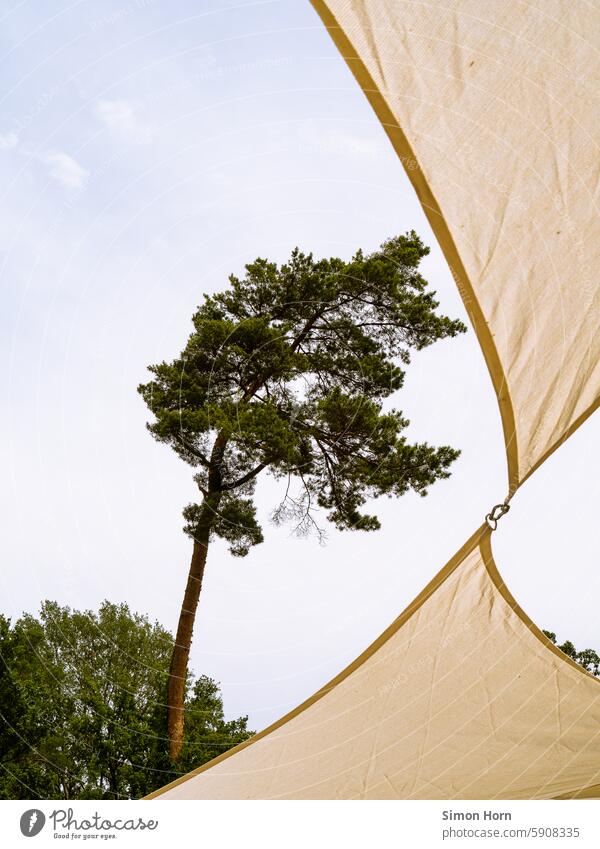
(496, 513)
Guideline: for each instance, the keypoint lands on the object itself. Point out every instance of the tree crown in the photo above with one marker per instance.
(287, 370)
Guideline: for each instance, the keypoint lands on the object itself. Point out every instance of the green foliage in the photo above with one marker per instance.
(288, 370)
(235, 521)
(82, 706)
(587, 658)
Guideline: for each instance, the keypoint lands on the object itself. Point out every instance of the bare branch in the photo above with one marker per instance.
(245, 478)
(193, 451)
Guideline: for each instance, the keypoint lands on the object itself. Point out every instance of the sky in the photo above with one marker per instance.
(147, 150)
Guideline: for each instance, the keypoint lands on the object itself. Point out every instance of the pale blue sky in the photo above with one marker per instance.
(147, 149)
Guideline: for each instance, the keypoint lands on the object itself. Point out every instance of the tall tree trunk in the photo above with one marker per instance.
(187, 616)
(183, 642)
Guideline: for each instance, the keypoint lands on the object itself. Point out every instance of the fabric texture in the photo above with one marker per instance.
(461, 698)
(490, 107)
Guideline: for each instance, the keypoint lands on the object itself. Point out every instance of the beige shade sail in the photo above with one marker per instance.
(461, 698)
(493, 110)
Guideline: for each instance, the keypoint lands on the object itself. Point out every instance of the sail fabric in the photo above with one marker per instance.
(461, 698)
(492, 109)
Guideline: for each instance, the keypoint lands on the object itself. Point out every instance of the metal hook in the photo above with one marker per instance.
(496, 513)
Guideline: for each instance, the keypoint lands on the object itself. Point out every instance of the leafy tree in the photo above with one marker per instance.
(83, 707)
(587, 658)
(287, 371)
